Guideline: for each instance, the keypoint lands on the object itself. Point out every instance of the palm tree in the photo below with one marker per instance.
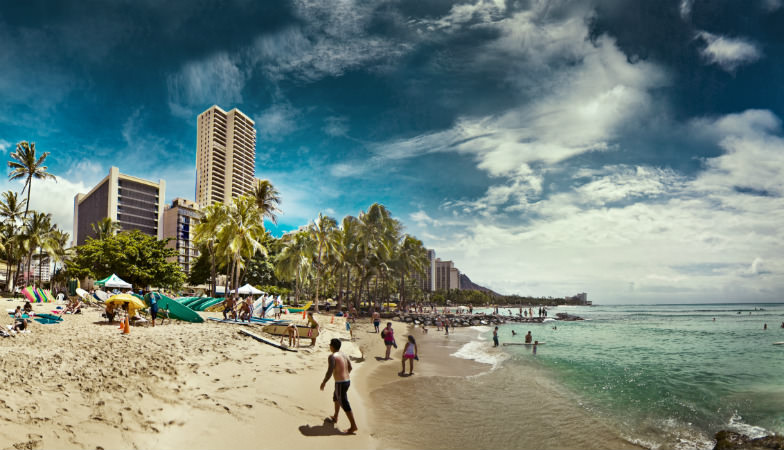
(55, 245)
(267, 200)
(11, 213)
(27, 165)
(294, 260)
(242, 234)
(410, 257)
(105, 228)
(213, 219)
(322, 232)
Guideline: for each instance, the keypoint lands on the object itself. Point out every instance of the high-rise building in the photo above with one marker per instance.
(225, 156)
(447, 275)
(134, 203)
(426, 282)
(179, 220)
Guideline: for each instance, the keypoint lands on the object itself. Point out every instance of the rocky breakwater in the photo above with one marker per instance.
(730, 440)
(567, 317)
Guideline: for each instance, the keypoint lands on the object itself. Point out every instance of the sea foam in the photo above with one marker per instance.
(480, 351)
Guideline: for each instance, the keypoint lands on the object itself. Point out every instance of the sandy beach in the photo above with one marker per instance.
(82, 384)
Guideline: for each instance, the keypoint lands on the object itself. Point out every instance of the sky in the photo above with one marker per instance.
(630, 149)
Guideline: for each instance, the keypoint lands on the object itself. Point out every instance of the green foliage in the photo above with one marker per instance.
(275, 290)
(200, 271)
(134, 256)
(259, 271)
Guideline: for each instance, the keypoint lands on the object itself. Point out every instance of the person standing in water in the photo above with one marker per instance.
(410, 353)
(495, 337)
(339, 366)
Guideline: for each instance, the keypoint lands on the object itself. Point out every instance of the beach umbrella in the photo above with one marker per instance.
(126, 298)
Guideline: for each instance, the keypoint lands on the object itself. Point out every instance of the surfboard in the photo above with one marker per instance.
(280, 330)
(268, 342)
(778, 343)
(521, 343)
(304, 308)
(176, 310)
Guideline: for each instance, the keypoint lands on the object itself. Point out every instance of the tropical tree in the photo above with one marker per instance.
(267, 200)
(410, 257)
(56, 247)
(322, 230)
(294, 260)
(213, 220)
(25, 164)
(242, 234)
(105, 228)
(36, 233)
(11, 214)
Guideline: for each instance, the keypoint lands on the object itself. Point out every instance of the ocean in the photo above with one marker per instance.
(656, 376)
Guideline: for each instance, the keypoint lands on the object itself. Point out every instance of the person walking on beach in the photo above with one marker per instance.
(446, 326)
(153, 308)
(388, 334)
(376, 320)
(339, 366)
(410, 353)
(348, 328)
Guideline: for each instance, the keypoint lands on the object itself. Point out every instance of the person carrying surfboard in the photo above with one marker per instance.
(339, 366)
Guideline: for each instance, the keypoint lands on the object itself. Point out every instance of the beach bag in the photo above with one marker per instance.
(383, 333)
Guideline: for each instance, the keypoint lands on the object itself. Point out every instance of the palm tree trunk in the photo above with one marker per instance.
(296, 286)
(212, 271)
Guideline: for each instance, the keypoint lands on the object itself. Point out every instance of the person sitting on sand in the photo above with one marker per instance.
(410, 353)
(388, 334)
(20, 323)
(528, 338)
(339, 366)
(314, 326)
(110, 312)
(28, 307)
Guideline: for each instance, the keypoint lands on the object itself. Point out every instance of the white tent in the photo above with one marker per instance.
(114, 282)
(244, 290)
(248, 290)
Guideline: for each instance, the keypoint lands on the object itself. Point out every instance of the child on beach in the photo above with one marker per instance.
(339, 366)
(388, 334)
(348, 328)
(410, 353)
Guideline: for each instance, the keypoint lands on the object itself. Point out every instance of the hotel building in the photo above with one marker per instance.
(179, 220)
(225, 156)
(134, 203)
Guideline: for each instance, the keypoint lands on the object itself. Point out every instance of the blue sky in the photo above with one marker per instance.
(630, 149)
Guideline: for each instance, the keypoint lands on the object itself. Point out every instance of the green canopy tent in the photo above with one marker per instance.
(113, 281)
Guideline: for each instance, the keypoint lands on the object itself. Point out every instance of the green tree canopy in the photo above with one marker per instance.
(134, 256)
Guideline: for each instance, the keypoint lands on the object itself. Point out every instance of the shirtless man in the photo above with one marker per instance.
(228, 308)
(528, 338)
(376, 320)
(340, 367)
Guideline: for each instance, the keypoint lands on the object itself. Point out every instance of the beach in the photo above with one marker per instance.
(83, 384)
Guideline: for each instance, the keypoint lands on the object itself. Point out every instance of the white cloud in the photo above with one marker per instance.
(277, 121)
(216, 79)
(639, 233)
(728, 53)
(335, 126)
(685, 9)
(5, 146)
(772, 5)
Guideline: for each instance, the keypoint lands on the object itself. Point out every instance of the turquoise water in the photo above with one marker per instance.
(667, 375)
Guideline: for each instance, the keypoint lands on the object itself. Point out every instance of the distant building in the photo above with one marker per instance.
(581, 298)
(225, 156)
(447, 275)
(426, 282)
(179, 220)
(134, 203)
(41, 266)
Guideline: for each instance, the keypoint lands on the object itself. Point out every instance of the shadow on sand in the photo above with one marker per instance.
(325, 429)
